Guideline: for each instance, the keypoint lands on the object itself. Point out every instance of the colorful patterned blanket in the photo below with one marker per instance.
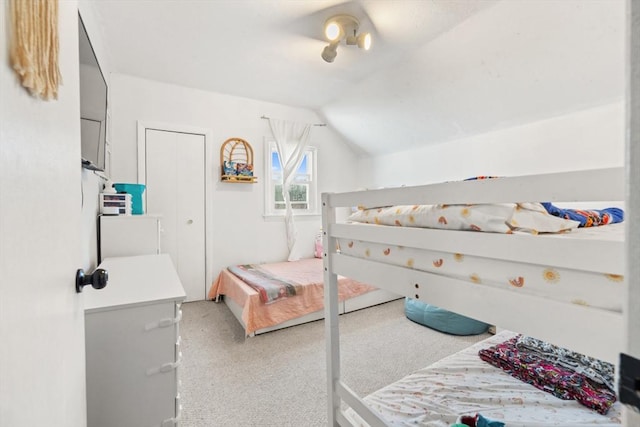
(587, 218)
(564, 380)
(269, 287)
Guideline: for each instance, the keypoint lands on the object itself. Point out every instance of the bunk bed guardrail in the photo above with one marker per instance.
(596, 332)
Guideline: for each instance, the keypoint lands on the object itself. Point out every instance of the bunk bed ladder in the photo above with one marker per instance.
(337, 391)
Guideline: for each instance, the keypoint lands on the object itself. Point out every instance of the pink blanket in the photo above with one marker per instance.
(309, 296)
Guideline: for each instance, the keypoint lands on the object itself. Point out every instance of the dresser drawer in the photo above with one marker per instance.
(132, 362)
(174, 421)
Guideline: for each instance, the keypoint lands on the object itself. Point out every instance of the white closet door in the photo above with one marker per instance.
(175, 179)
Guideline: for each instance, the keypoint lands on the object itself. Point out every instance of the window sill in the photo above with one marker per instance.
(303, 216)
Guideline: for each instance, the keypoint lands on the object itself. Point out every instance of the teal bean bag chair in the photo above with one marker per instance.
(442, 320)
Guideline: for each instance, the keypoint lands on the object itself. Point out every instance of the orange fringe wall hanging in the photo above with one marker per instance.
(34, 46)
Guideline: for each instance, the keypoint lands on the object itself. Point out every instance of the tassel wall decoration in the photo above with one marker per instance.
(34, 46)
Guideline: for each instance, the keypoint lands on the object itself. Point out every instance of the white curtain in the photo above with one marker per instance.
(291, 141)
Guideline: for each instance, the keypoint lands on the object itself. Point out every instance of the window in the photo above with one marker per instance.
(303, 192)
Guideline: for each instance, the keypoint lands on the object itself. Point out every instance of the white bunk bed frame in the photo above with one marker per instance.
(560, 323)
(612, 333)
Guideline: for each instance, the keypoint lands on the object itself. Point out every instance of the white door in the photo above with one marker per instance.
(42, 363)
(175, 180)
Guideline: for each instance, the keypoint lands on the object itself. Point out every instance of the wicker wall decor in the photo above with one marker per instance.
(236, 161)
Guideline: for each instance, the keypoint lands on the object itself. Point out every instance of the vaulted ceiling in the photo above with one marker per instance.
(438, 69)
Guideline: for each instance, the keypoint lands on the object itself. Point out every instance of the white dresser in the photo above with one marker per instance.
(133, 344)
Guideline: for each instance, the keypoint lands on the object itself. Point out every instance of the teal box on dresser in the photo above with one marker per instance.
(136, 191)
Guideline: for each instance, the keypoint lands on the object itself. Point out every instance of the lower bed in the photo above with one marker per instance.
(257, 317)
(463, 384)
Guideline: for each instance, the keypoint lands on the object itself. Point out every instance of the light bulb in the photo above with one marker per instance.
(332, 31)
(364, 41)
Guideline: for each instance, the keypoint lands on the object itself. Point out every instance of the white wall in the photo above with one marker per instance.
(587, 139)
(520, 88)
(240, 233)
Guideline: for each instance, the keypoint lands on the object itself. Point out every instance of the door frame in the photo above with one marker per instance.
(142, 127)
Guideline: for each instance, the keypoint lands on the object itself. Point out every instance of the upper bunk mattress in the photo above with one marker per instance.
(600, 290)
(463, 384)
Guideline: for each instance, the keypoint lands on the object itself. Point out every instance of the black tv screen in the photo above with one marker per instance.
(93, 104)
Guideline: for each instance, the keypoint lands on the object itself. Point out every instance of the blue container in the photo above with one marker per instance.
(136, 191)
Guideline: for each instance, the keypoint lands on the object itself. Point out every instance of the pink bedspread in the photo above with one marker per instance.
(308, 272)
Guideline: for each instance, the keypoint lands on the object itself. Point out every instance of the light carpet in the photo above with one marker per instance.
(279, 378)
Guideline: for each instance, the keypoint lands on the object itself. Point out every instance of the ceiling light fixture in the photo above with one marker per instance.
(330, 51)
(343, 27)
(364, 41)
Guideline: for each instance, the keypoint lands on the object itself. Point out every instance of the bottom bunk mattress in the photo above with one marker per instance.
(306, 275)
(463, 384)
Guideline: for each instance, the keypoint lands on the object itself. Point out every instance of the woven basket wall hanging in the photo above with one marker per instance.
(236, 161)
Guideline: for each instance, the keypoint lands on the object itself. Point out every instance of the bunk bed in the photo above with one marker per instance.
(579, 324)
(258, 313)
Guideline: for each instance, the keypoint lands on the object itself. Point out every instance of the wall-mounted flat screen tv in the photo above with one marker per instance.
(93, 104)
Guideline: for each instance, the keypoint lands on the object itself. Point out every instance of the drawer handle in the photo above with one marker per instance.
(167, 367)
(163, 323)
(170, 422)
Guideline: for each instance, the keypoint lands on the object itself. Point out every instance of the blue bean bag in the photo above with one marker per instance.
(442, 320)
